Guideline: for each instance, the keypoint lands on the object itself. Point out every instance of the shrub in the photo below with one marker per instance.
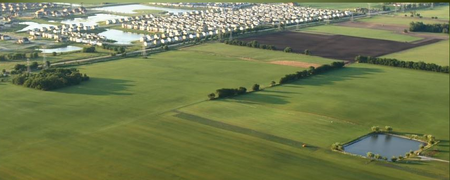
(288, 49)
(255, 87)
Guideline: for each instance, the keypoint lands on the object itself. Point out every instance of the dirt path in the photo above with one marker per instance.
(426, 158)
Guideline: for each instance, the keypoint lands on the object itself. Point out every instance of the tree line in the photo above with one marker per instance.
(229, 92)
(119, 49)
(253, 44)
(404, 64)
(50, 79)
(18, 56)
(312, 71)
(90, 49)
(421, 27)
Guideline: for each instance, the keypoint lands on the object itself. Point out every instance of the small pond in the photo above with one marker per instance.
(121, 37)
(32, 25)
(129, 9)
(61, 49)
(383, 144)
(92, 20)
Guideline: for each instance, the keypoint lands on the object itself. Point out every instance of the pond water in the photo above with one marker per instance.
(61, 49)
(92, 20)
(32, 25)
(382, 144)
(120, 36)
(129, 9)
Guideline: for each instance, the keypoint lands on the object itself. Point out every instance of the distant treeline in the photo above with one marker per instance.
(18, 56)
(228, 92)
(120, 49)
(253, 44)
(50, 79)
(421, 27)
(403, 64)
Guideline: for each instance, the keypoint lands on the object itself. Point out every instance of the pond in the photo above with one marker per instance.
(383, 144)
(32, 25)
(61, 49)
(129, 9)
(121, 37)
(92, 20)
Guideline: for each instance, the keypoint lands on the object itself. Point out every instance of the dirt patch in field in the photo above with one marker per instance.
(334, 46)
(295, 64)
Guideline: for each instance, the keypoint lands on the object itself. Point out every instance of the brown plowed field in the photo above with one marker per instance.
(334, 46)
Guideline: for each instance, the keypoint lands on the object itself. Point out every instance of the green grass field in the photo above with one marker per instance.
(360, 32)
(434, 53)
(398, 20)
(125, 123)
(442, 12)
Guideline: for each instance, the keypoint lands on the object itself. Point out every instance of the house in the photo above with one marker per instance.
(23, 41)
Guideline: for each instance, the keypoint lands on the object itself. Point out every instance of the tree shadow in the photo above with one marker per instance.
(100, 87)
(259, 98)
(331, 77)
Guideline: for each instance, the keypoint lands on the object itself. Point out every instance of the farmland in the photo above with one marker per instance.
(333, 46)
(439, 56)
(152, 117)
(361, 32)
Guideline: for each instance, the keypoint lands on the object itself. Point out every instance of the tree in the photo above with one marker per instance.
(211, 96)
(377, 156)
(337, 146)
(90, 49)
(47, 64)
(421, 147)
(241, 90)
(3, 71)
(272, 83)
(54, 53)
(393, 158)
(34, 65)
(370, 155)
(288, 49)
(255, 87)
(388, 128)
(375, 129)
(307, 52)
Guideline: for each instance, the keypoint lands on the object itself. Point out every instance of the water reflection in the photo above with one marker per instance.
(61, 49)
(120, 36)
(33, 25)
(383, 144)
(129, 9)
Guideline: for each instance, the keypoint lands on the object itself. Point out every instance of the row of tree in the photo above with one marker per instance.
(90, 49)
(119, 49)
(421, 27)
(228, 92)
(18, 56)
(404, 64)
(377, 129)
(50, 79)
(312, 71)
(253, 44)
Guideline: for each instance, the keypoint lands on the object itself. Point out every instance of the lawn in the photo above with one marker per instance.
(124, 123)
(434, 53)
(360, 32)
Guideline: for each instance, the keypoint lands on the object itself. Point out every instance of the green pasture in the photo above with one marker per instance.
(360, 32)
(148, 119)
(434, 53)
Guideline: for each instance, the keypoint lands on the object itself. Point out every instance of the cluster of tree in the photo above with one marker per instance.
(377, 129)
(90, 49)
(404, 64)
(227, 92)
(370, 155)
(253, 44)
(421, 27)
(18, 56)
(430, 139)
(337, 147)
(119, 49)
(311, 71)
(50, 79)
(288, 49)
(434, 17)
